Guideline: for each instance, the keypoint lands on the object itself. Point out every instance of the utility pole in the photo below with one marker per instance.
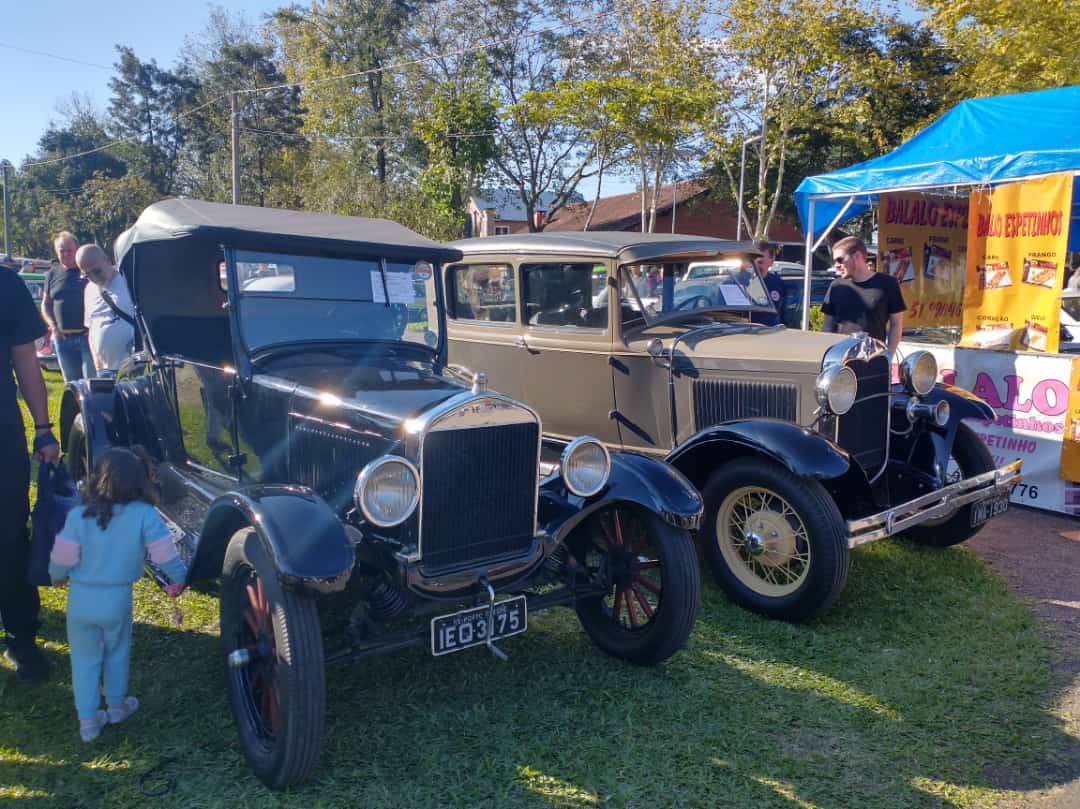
(235, 150)
(4, 166)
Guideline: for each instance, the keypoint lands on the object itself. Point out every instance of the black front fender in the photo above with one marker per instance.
(304, 536)
(962, 404)
(803, 452)
(636, 479)
(94, 399)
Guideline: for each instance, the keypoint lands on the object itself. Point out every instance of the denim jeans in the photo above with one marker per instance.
(73, 353)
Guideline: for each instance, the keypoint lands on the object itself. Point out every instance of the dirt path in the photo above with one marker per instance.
(1039, 555)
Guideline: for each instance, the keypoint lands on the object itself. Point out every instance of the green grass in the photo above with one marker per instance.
(927, 685)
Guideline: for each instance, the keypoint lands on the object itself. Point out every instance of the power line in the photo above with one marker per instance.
(54, 56)
(136, 136)
(473, 49)
(407, 136)
(491, 43)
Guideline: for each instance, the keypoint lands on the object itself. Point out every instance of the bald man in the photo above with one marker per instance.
(110, 312)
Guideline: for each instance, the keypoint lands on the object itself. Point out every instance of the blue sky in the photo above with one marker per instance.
(88, 31)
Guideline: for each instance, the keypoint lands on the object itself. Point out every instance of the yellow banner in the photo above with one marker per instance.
(1015, 265)
(922, 243)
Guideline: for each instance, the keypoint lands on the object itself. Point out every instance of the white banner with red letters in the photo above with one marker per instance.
(1029, 394)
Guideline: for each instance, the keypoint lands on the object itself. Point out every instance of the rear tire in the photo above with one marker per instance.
(278, 700)
(78, 452)
(775, 541)
(648, 571)
(972, 458)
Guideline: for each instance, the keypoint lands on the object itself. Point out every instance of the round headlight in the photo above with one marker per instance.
(387, 490)
(836, 388)
(585, 466)
(918, 372)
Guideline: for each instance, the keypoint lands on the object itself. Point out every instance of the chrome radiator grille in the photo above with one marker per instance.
(716, 401)
(479, 494)
(863, 431)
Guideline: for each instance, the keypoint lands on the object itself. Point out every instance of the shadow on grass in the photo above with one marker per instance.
(924, 680)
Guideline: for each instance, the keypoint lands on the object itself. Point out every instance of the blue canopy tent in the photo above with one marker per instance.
(979, 142)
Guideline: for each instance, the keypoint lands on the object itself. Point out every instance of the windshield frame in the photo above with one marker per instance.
(246, 357)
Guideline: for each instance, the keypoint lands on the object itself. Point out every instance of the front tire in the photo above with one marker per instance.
(648, 573)
(776, 542)
(969, 457)
(278, 699)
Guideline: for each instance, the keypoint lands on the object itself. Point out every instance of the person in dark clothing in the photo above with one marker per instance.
(861, 299)
(63, 309)
(20, 326)
(773, 285)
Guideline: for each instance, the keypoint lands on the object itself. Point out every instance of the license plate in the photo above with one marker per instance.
(460, 630)
(985, 509)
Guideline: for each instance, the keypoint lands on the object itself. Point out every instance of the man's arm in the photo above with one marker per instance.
(28, 372)
(829, 324)
(896, 330)
(47, 313)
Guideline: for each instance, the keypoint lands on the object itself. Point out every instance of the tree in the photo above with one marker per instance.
(541, 157)
(784, 62)
(1008, 47)
(145, 106)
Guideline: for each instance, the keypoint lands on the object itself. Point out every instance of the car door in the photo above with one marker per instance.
(566, 351)
(482, 327)
(205, 414)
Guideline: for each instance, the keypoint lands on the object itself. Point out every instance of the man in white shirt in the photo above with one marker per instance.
(109, 309)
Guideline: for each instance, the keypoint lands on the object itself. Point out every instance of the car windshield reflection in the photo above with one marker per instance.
(672, 290)
(336, 299)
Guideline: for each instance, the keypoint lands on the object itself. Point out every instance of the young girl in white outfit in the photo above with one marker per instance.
(101, 548)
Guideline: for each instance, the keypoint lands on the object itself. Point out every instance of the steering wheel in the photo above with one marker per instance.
(693, 302)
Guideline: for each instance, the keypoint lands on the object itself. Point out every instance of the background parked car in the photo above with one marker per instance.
(792, 276)
(46, 352)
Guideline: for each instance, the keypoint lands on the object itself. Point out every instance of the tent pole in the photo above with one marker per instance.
(834, 223)
(807, 266)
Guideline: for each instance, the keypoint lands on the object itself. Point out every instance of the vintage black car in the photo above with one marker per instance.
(308, 439)
(799, 443)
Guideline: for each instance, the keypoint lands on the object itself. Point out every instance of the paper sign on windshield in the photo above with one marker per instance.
(734, 295)
(401, 287)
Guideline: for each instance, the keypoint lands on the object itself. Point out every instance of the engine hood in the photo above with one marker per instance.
(376, 397)
(743, 347)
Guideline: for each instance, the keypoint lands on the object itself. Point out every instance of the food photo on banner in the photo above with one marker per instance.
(1017, 241)
(922, 242)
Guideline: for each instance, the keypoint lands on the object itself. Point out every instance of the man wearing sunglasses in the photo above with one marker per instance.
(109, 309)
(861, 299)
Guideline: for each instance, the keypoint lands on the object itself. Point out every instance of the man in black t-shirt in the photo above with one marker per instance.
(863, 300)
(62, 307)
(20, 326)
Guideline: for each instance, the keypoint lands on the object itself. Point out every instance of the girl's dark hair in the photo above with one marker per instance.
(121, 475)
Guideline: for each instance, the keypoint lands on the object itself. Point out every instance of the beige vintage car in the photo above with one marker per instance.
(799, 442)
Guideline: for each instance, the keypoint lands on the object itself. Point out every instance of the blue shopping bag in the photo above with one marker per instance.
(56, 496)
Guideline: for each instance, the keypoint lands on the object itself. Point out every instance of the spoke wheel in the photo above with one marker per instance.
(763, 540)
(275, 672)
(775, 541)
(646, 574)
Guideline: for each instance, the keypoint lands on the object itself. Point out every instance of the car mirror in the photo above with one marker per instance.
(656, 350)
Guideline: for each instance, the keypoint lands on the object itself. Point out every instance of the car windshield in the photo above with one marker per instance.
(294, 298)
(725, 286)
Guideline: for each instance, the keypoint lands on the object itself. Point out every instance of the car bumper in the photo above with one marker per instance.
(936, 504)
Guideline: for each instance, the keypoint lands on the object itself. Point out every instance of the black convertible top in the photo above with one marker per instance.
(246, 225)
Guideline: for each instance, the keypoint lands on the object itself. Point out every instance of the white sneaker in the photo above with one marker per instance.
(118, 713)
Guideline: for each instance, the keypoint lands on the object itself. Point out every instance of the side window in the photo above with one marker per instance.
(563, 295)
(483, 292)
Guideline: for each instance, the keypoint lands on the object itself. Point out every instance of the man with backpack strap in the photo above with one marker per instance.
(109, 309)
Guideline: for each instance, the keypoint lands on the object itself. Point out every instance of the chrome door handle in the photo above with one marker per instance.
(519, 341)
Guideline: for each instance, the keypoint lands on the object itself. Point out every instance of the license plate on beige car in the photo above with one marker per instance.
(985, 509)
